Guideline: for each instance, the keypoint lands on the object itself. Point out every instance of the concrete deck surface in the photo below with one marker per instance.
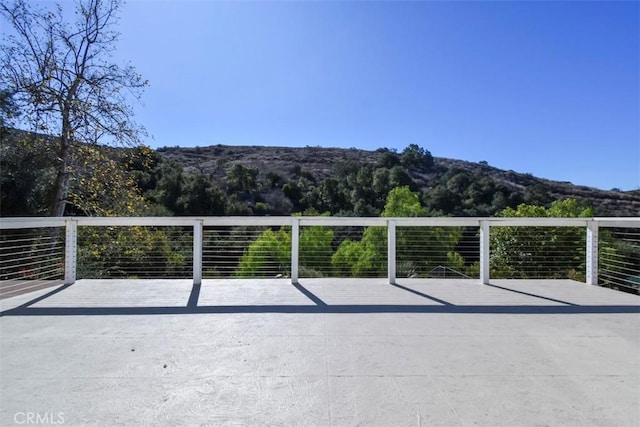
(328, 352)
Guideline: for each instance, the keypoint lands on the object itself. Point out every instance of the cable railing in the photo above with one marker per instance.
(36, 251)
(134, 252)
(30, 259)
(251, 251)
(619, 254)
(538, 252)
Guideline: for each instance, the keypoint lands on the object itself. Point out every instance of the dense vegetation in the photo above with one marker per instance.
(324, 179)
(141, 181)
(223, 180)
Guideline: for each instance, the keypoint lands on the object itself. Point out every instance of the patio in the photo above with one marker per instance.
(322, 352)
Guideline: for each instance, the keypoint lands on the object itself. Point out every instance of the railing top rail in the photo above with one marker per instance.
(618, 222)
(31, 222)
(134, 221)
(246, 220)
(541, 222)
(40, 222)
(437, 221)
(341, 221)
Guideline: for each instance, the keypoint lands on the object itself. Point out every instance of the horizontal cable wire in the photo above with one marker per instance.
(343, 251)
(538, 253)
(437, 252)
(246, 251)
(30, 259)
(619, 258)
(135, 252)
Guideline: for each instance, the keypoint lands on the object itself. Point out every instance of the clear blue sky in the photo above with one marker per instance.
(544, 87)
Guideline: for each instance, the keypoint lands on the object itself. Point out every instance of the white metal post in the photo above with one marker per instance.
(295, 247)
(197, 252)
(592, 253)
(70, 251)
(391, 251)
(484, 251)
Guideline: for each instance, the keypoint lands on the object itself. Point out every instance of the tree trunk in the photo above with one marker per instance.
(61, 185)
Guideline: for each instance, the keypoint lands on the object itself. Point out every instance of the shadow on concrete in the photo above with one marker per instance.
(12, 288)
(530, 294)
(193, 297)
(422, 294)
(40, 298)
(313, 297)
(321, 307)
(315, 309)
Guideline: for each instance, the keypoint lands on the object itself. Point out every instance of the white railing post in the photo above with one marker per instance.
(70, 251)
(391, 251)
(295, 249)
(592, 253)
(197, 252)
(484, 252)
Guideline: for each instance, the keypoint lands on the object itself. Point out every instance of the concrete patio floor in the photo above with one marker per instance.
(327, 352)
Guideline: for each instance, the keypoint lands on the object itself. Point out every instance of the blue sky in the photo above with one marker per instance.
(542, 87)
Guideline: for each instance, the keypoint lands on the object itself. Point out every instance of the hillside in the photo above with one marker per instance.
(259, 180)
(319, 163)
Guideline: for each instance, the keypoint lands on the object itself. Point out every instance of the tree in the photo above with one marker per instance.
(316, 250)
(61, 81)
(169, 181)
(25, 174)
(388, 159)
(8, 110)
(550, 252)
(200, 197)
(241, 178)
(130, 251)
(103, 184)
(356, 259)
(401, 201)
(267, 256)
(416, 157)
(418, 249)
(270, 253)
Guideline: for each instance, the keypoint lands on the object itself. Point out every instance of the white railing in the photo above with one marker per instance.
(398, 232)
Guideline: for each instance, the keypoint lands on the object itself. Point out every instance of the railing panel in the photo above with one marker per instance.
(437, 252)
(30, 259)
(619, 253)
(342, 250)
(519, 252)
(246, 251)
(135, 252)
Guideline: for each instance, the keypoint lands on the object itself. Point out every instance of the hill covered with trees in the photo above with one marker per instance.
(256, 180)
(356, 182)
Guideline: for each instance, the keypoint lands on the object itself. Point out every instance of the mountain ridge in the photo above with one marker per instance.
(320, 162)
(303, 179)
